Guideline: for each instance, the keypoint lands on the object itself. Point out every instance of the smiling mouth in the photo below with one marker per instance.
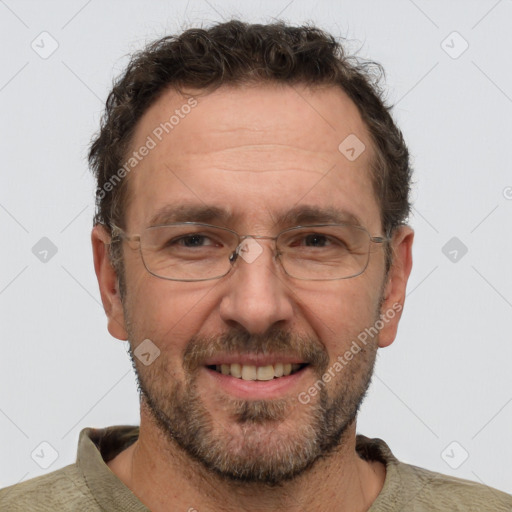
(252, 372)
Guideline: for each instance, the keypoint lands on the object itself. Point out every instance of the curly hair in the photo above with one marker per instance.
(235, 53)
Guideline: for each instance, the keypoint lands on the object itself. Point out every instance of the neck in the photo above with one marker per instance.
(164, 478)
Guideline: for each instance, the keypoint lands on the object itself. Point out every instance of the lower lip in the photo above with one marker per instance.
(258, 389)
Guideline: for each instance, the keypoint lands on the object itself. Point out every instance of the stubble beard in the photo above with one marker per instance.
(259, 444)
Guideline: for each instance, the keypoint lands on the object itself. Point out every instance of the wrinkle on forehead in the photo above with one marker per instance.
(270, 145)
(315, 120)
(256, 158)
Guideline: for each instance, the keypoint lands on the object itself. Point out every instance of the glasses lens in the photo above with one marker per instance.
(187, 252)
(324, 252)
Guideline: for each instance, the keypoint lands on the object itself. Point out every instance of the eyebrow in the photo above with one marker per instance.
(208, 214)
(189, 213)
(315, 215)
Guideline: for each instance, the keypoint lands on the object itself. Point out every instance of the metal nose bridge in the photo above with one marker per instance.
(261, 237)
(242, 238)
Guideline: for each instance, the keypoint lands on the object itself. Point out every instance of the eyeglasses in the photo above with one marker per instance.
(191, 251)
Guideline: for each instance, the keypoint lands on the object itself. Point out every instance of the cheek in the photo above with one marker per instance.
(338, 312)
(161, 314)
(167, 312)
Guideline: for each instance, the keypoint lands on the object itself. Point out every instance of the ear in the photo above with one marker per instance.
(396, 284)
(108, 282)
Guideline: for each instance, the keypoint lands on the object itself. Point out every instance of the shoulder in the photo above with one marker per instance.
(415, 489)
(438, 492)
(63, 490)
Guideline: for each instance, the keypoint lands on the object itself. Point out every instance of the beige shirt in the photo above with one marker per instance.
(89, 485)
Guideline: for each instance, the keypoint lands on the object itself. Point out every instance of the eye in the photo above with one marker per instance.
(316, 240)
(195, 240)
(192, 240)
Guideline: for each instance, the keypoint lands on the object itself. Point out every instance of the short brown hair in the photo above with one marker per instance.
(236, 53)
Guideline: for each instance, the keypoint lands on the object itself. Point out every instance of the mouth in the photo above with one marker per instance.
(256, 376)
(250, 372)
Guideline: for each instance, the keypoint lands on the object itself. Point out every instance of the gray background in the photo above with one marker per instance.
(442, 392)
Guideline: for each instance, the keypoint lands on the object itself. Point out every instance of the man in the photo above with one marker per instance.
(250, 242)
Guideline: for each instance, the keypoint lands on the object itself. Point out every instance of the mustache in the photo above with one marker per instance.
(275, 341)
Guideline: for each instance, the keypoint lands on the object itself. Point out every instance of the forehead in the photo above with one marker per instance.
(253, 153)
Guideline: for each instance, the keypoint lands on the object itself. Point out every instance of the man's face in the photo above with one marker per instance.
(256, 153)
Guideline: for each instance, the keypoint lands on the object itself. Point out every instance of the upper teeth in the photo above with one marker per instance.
(251, 372)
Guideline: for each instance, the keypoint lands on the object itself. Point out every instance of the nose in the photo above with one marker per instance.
(256, 296)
